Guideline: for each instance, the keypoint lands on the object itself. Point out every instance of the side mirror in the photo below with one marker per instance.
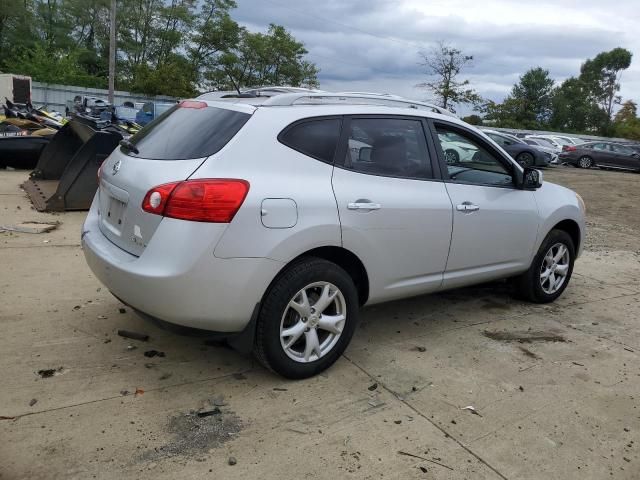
(531, 179)
(365, 154)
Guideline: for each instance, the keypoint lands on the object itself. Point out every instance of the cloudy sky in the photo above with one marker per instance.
(373, 45)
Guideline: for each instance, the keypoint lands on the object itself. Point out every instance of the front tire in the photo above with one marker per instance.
(550, 271)
(307, 319)
(525, 159)
(451, 156)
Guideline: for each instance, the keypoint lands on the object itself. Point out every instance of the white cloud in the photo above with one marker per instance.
(374, 44)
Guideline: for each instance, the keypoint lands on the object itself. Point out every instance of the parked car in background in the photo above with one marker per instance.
(542, 143)
(272, 220)
(566, 139)
(150, 111)
(544, 146)
(602, 154)
(523, 153)
(558, 143)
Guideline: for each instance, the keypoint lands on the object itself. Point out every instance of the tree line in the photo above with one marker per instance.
(585, 103)
(164, 47)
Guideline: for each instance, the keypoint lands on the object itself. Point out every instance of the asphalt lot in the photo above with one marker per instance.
(556, 392)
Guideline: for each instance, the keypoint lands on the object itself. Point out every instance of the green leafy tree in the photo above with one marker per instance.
(473, 119)
(574, 110)
(274, 58)
(601, 75)
(529, 105)
(16, 33)
(626, 123)
(56, 67)
(533, 98)
(215, 32)
(170, 47)
(443, 64)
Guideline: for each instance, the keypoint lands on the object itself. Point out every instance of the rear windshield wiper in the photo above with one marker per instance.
(129, 146)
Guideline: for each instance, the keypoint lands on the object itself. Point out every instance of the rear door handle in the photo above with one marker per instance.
(467, 207)
(360, 205)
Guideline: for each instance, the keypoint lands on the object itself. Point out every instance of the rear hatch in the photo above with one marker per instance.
(169, 149)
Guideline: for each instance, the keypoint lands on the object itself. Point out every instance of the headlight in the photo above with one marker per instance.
(583, 207)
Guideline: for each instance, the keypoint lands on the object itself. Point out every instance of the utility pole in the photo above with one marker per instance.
(112, 51)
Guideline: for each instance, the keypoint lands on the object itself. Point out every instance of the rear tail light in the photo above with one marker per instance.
(568, 148)
(203, 200)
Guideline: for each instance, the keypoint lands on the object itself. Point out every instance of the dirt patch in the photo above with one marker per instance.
(529, 353)
(493, 305)
(525, 337)
(609, 197)
(194, 434)
(50, 372)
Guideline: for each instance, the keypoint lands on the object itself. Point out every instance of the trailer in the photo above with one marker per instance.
(17, 88)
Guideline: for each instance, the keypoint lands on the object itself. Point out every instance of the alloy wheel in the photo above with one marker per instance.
(312, 322)
(554, 268)
(525, 159)
(451, 157)
(585, 162)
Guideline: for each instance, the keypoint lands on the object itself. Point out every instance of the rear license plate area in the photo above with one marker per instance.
(113, 214)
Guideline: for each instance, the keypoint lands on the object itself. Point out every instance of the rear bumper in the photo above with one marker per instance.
(180, 282)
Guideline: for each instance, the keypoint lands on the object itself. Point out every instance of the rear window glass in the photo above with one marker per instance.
(181, 133)
(316, 138)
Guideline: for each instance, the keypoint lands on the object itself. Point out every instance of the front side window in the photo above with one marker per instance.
(315, 138)
(388, 146)
(468, 161)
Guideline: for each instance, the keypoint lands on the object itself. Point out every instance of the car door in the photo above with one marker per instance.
(623, 157)
(395, 213)
(495, 224)
(602, 154)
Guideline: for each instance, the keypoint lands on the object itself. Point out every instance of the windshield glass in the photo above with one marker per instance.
(184, 132)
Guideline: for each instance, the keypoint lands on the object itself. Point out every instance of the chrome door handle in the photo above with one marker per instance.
(364, 206)
(467, 207)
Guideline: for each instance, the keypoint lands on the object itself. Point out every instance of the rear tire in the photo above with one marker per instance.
(585, 162)
(551, 267)
(292, 338)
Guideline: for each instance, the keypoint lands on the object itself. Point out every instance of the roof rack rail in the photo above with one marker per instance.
(255, 92)
(361, 98)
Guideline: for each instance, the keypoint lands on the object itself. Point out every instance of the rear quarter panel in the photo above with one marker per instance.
(274, 171)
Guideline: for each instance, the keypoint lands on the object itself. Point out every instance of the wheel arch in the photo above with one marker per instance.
(573, 229)
(348, 261)
(342, 257)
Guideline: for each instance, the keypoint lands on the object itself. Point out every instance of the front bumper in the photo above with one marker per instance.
(180, 282)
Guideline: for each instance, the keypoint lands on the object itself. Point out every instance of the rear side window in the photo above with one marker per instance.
(316, 138)
(182, 132)
(393, 147)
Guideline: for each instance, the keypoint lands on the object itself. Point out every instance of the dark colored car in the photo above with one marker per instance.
(526, 155)
(602, 154)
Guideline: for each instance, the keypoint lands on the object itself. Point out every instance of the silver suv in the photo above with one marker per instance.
(271, 220)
